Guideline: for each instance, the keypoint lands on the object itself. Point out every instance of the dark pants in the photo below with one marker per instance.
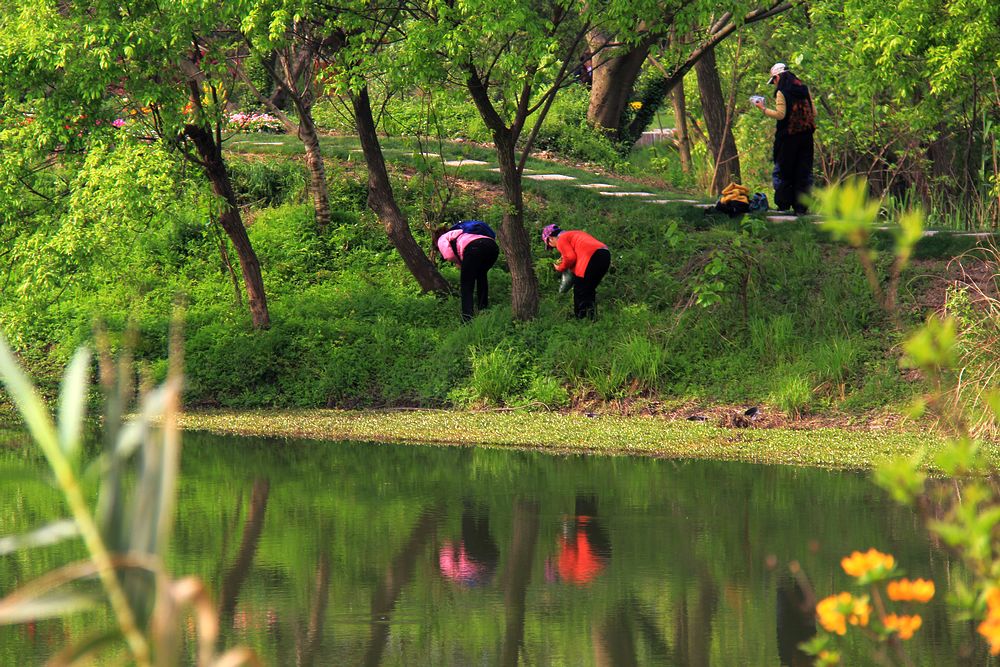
(585, 289)
(478, 258)
(793, 163)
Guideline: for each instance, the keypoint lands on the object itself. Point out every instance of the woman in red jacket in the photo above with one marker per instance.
(587, 258)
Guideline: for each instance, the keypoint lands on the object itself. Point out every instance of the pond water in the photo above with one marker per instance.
(322, 553)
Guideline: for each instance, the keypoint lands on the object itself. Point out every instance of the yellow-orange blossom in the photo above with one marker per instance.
(904, 590)
(836, 611)
(859, 564)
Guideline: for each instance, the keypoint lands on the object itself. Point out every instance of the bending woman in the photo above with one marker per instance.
(587, 258)
(475, 255)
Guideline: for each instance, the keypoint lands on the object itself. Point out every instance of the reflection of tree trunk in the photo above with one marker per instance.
(382, 201)
(397, 575)
(720, 134)
(693, 636)
(314, 629)
(237, 574)
(516, 577)
(614, 645)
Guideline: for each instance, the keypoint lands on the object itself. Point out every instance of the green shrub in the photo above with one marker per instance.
(546, 391)
(263, 183)
(498, 374)
(834, 360)
(793, 394)
(566, 131)
(772, 338)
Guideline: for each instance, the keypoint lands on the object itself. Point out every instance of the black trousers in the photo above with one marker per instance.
(585, 289)
(793, 163)
(478, 258)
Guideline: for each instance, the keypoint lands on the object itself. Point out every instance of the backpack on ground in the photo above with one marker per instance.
(475, 227)
(735, 200)
(758, 203)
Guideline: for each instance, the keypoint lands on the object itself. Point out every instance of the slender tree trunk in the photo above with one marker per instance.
(382, 201)
(210, 154)
(614, 76)
(513, 237)
(680, 127)
(720, 135)
(318, 190)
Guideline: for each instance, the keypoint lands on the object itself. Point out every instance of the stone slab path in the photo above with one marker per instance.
(462, 163)
(550, 177)
(626, 194)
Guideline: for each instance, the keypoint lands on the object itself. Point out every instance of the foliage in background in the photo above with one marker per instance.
(960, 509)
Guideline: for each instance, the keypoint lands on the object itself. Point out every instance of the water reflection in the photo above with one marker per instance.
(795, 622)
(584, 548)
(472, 560)
(339, 553)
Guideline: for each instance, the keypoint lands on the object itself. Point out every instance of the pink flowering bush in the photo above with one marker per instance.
(255, 122)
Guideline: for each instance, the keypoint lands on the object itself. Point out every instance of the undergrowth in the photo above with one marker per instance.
(786, 316)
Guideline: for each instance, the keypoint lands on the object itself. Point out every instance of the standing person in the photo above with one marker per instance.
(587, 258)
(475, 255)
(793, 138)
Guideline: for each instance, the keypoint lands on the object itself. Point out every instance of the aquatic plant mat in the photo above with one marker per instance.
(580, 434)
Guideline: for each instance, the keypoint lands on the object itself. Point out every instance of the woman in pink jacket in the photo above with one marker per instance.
(475, 255)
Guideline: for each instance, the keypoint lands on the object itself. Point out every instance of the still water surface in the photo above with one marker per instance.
(360, 554)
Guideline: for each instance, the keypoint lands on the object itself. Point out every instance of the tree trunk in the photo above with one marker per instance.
(514, 237)
(210, 153)
(680, 127)
(614, 76)
(720, 136)
(383, 203)
(318, 190)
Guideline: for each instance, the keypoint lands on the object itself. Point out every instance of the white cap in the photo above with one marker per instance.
(777, 69)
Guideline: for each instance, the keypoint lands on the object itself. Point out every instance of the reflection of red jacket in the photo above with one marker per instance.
(578, 563)
(576, 248)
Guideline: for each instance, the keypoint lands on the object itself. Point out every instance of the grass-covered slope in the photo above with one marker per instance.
(697, 309)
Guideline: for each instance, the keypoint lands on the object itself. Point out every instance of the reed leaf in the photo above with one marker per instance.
(53, 533)
(73, 405)
(51, 605)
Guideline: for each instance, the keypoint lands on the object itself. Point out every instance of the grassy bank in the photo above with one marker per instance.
(696, 309)
(579, 434)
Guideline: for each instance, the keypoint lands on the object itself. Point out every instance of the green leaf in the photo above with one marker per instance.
(73, 404)
(52, 533)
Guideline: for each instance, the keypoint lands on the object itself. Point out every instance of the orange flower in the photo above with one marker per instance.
(990, 628)
(904, 625)
(836, 611)
(859, 564)
(905, 590)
